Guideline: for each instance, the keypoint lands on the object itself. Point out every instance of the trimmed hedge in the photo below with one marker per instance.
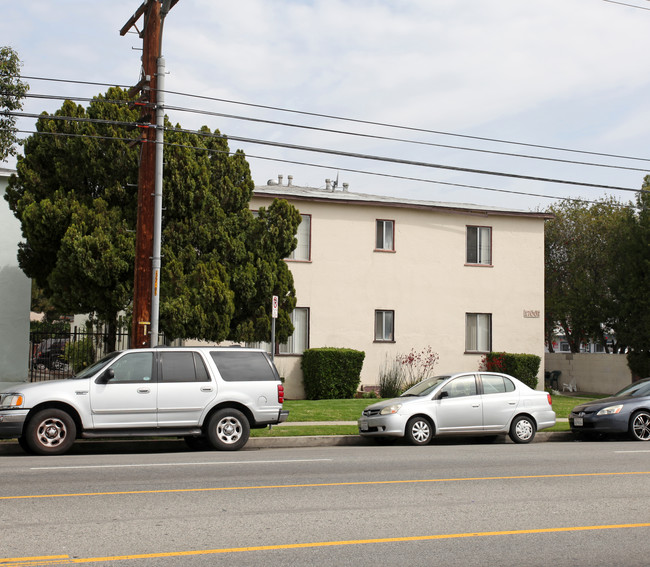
(524, 367)
(331, 373)
(639, 363)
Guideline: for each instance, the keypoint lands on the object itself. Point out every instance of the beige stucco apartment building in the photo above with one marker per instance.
(386, 275)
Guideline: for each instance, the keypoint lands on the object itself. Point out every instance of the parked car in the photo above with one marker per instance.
(469, 403)
(49, 353)
(210, 396)
(627, 411)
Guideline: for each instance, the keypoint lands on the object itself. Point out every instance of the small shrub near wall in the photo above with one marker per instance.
(331, 373)
(524, 367)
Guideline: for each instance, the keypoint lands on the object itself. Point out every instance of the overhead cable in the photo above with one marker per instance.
(340, 153)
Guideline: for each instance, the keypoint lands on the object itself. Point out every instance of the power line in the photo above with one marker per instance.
(348, 133)
(625, 4)
(330, 167)
(339, 153)
(360, 121)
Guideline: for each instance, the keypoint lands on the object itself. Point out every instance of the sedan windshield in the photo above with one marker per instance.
(425, 387)
(636, 390)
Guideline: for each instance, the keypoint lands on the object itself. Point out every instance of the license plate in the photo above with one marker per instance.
(363, 426)
(578, 422)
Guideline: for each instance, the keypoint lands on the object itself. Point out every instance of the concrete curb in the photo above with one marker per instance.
(82, 447)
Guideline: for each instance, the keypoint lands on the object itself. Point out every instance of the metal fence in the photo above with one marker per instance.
(61, 355)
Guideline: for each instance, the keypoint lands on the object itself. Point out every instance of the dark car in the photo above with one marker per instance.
(49, 353)
(627, 411)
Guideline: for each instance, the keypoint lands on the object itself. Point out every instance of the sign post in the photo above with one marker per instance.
(274, 316)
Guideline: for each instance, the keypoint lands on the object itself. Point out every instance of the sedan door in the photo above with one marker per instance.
(500, 400)
(458, 406)
(128, 399)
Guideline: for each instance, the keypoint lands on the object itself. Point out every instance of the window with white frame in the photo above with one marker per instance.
(299, 341)
(478, 332)
(385, 235)
(384, 325)
(303, 249)
(479, 245)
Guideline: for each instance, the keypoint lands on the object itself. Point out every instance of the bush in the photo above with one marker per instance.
(79, 354)
(417, 366)
(391, 379)
(331, 373)
(524, 367)
(639, 363)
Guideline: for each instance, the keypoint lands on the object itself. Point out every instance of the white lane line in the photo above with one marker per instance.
(177, 464)
(637, 451)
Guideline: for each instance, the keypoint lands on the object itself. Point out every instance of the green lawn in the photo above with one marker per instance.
(350, 410)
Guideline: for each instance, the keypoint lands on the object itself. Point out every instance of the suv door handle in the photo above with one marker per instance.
(206, 389)
(143, 390)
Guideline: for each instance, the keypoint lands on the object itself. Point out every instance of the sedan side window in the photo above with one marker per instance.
(496, 384)
(133, 367)
(461, 387)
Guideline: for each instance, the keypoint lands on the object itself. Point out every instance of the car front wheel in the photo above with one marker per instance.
(228, 430)
(522, 429)
(419, 431)
(640, 426)
(50, 432)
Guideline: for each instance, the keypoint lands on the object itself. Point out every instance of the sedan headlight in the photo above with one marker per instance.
(11, 400)
(394, 408)
(610, 410)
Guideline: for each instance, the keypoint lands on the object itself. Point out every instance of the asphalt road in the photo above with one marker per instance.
(454, 503)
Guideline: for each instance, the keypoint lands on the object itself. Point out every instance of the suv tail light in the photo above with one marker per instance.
(550, 402)
(280, 393)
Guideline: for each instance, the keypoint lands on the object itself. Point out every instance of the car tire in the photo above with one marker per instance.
(419, 431)
(522, 429)
(50, 432)
(228, 430)
(640, 426)
(24, 445)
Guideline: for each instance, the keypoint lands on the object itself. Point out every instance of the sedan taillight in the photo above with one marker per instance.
(280, 393)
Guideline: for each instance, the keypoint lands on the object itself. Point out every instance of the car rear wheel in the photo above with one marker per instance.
(50, 432)
(228, 430)
(522, 429)
(640, 426)
(419, 431)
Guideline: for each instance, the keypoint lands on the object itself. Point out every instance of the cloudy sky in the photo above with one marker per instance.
(462, 87)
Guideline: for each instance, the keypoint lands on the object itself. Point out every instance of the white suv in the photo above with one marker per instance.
(210, 396)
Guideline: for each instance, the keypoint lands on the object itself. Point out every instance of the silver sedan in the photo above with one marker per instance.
(470, 403)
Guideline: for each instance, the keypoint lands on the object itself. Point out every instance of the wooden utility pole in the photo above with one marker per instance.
(151, 47)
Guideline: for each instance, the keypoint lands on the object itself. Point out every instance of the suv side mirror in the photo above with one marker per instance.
(443, 394)
(106, 376)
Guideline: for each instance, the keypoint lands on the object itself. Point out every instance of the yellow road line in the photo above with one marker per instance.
(323, 484)
(68, 560)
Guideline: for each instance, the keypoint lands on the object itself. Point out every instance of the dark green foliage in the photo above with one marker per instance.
(331, 373)
(12, 92)
(76, 198)
(639, 363)
(79, 354)
(524, 367)
(579, 268)
(633, 282)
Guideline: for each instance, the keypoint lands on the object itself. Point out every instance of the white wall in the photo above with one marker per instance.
(593, 373)
(15, 297)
